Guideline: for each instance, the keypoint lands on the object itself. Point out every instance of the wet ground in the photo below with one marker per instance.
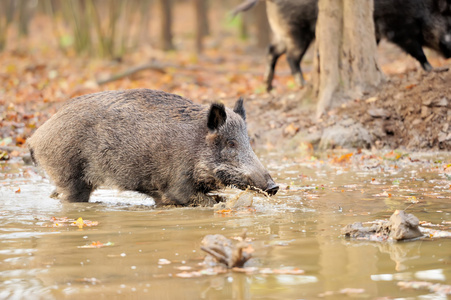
(124, 247)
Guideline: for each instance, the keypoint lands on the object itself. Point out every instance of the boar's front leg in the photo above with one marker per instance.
(197, 199)
(75, 190)
(413, 47)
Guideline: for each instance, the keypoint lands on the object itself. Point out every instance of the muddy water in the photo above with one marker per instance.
(299, 228)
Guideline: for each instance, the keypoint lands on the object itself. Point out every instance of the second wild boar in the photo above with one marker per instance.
(410, 24)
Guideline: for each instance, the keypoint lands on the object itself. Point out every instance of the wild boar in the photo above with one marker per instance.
(147, 141)
(410, 24)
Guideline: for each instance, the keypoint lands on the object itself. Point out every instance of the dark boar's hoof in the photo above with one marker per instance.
(151, 142)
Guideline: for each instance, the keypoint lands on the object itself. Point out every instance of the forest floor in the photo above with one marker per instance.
(411, 110)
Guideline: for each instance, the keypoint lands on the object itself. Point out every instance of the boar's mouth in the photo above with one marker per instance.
(271, 190)
(267, 185)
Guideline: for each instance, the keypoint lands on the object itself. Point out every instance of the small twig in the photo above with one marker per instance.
(162, 69)
(148, 66)
(440, 69)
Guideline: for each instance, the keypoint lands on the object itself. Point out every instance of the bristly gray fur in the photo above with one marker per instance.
(147, 141)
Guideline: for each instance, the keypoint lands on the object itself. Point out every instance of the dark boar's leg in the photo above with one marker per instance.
(76, 190)
(414, 48)
(412, 45)
(295, 52)
(275, 50)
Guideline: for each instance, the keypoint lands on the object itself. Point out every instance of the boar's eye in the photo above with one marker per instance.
(232, 144)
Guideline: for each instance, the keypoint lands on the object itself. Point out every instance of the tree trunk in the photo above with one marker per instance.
(262, 25)
(6, 17)
(347, 63)
(144, 27)
(166, 24)
(202, 27)
(25, 13)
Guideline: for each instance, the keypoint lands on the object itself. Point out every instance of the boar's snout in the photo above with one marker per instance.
(265, 183)
(272, 188)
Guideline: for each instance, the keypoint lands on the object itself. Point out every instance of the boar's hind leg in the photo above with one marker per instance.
(296, 52)
(275, 50)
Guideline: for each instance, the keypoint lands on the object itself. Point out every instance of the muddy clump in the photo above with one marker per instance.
(226, 252)
(400, 226)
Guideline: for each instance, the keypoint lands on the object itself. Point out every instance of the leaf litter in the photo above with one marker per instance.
(67, 222)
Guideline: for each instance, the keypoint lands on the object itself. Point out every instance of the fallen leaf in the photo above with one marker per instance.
(342, 159)
(96, 245)
(79, 222)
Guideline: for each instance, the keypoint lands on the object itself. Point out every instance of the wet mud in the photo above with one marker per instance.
(400, 226)
(225, 251)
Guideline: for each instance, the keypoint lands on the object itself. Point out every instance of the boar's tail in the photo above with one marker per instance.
(246, 5)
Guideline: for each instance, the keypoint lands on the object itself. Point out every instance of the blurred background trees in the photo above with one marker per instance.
(110, 28)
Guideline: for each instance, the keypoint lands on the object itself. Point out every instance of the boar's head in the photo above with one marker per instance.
(229, 157)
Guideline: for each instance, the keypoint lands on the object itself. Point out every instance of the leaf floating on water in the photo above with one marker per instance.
(393, 155)
(65, 221)
(96, 245)
(383, 194)
(224, 211)
(79, 222)
(413, 199)
(343, 159)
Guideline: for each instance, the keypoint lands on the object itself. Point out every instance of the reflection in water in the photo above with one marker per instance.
(401, 252)
(298, 228)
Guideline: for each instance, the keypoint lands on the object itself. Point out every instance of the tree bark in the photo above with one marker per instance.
(166, 25)
(347, 63)
(262, 25)
(202, 26)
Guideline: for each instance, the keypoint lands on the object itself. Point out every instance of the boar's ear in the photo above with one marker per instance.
(216, 116)
(239, 108)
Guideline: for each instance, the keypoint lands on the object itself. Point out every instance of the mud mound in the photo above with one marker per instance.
(411, 111)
